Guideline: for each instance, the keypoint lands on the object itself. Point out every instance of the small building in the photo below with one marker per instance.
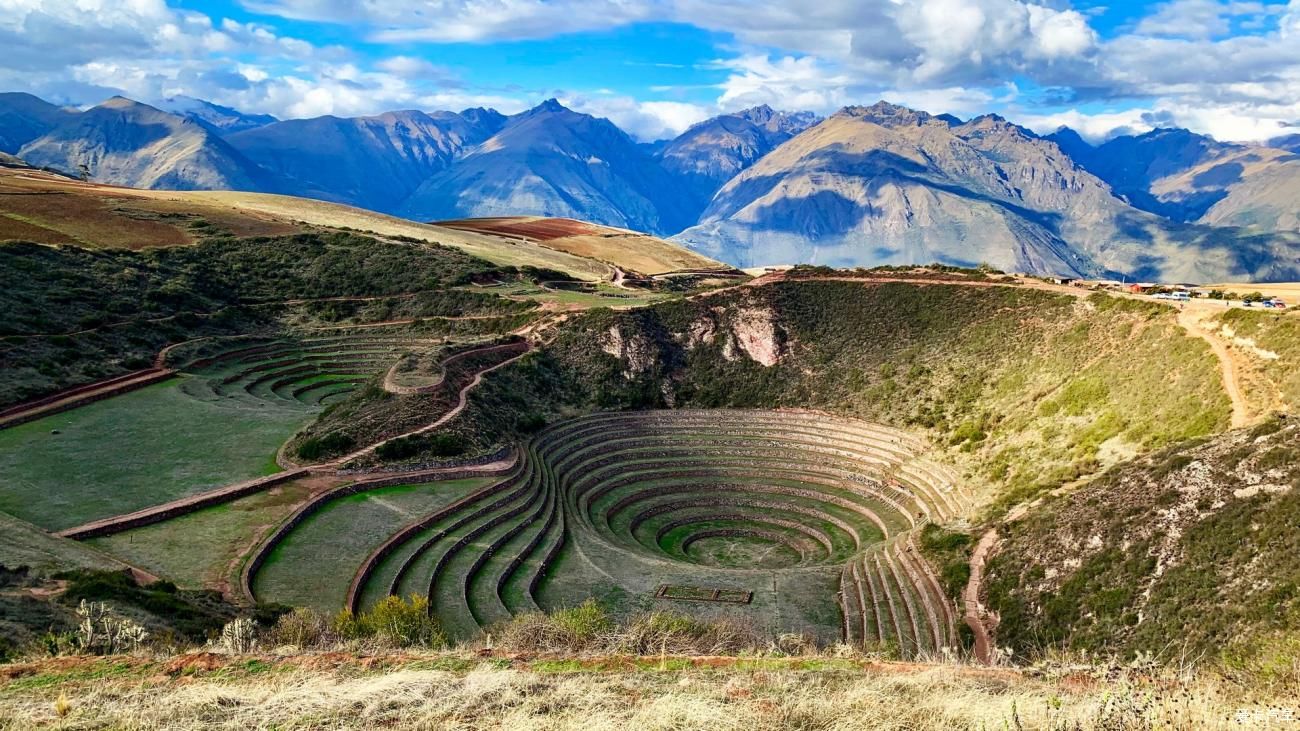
(1061, 280)
(1142, 287)
(1100, 284)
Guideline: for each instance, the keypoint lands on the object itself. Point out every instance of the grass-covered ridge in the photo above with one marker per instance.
(1029, 389)
(1186, 553)
(76, 315)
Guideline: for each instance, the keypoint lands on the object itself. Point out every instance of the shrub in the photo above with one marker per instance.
(438, 445)
(678, 634)
(324, 446)
(584, 627)
(393, 622)
(240, 636)
(303, 628)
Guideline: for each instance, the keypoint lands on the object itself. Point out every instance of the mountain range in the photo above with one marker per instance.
(868, 185)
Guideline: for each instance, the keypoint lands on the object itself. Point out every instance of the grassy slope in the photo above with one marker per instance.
(1027, 388)
(51, 209)
(133, 451)
(1275, 333)
(201, 549)
(23, 544)
(501, 251)
(1188, 552)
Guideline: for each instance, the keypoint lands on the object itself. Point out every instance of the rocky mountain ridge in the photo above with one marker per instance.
(870, 185)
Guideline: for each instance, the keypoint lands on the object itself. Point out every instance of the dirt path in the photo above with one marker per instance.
(392, 387)
(462, 400)
(1192, 320)
(975, 613)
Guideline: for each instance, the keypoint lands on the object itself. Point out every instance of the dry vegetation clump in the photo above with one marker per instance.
(676, 634)
(583, 628)
(589, 628)
(392, 623)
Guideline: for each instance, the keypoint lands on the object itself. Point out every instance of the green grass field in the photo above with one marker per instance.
(202, 549)
(136, 450)
(23, 544)
(313, 565)
(604, 295)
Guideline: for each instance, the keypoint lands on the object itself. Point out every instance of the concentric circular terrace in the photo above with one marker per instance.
(811, 514)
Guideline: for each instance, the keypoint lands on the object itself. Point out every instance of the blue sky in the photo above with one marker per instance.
(1225, 67)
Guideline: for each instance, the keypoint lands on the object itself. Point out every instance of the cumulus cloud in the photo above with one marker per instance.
(643, 120)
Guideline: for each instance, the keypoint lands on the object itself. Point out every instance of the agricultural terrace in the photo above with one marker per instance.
(810, 517)
(234, 403)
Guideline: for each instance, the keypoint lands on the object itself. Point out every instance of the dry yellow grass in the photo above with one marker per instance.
(52, 209)
(465, 692)
(629, 250)
(1289, 291)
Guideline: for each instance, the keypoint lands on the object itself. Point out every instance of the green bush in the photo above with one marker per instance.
(393, 622)
(303, 628)
(327, 445)
(189, 613)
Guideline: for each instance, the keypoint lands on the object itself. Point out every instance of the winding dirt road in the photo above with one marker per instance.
(462, 400)
(974, 610)
(1192, 320)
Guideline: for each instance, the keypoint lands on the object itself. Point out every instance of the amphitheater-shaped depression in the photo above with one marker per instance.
(807, 515)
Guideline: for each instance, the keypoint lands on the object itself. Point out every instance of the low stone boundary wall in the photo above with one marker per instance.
(81, 395)
(167, 511)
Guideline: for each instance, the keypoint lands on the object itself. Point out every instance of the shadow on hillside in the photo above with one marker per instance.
(829, 212)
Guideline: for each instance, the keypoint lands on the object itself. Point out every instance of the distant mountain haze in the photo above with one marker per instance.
(24, 117)
(128, 143)
(869, 185)
(552, 161)
(373, 162)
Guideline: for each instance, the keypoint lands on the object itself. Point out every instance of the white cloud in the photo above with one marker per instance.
(786, 82)
(463, 20)
(644, 120)
(1227, 67)
(1095, 127)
